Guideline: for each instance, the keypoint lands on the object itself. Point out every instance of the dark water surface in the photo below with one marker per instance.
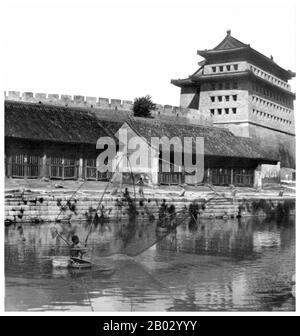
(245, 265)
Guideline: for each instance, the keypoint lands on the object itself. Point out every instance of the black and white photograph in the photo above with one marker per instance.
(149, 156)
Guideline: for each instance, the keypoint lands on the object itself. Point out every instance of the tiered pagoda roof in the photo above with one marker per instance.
(231, 49)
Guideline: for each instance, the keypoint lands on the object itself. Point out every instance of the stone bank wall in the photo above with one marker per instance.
(34, 207)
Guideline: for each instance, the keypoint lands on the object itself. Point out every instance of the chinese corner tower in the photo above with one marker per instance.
(246, 92)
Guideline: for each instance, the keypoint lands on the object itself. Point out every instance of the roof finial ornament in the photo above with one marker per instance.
(272, 58)
(228, 32)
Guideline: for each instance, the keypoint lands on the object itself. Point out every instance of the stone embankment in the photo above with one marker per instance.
(35, 207)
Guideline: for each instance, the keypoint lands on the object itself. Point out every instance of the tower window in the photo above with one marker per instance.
(212, 111)
(234, 110)
(227, 110)
(234, 97)
(214, 69)
(219, 111)
(227, 98)
(235, 66)
(221, 68)
(228, 67)
(219, 98)
(212, 99)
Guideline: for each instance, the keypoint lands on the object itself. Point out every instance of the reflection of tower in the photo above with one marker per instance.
(188, 303)
(191, 298)
(168, 243)
(173, 239)
(239, 288)
(131, 304)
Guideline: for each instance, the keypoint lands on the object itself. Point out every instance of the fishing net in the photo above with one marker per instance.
(133, 237)
(140, 240)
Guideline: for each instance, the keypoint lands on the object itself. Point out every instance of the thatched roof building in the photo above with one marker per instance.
(66, 135)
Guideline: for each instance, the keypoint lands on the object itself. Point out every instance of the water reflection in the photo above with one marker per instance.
(245, 264)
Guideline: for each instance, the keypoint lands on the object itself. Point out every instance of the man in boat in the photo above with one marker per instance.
(77, 250)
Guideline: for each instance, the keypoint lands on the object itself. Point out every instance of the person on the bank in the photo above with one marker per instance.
(141, 186)
(126, 193)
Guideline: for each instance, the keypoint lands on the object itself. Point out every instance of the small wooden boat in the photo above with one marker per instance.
(79, 263)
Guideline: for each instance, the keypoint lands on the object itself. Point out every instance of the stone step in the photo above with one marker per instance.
(221, 211)
(220, 208)
(219, 203)
(50, 210)
(207, 205)
(55, 200)
(212, 216)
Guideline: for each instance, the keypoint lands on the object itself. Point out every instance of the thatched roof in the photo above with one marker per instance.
(76, 125)
(51, 123)
(217, 141)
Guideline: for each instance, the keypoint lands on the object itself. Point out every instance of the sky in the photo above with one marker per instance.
(127, 49)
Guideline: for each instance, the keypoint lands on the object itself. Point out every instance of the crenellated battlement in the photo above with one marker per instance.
(69, 100)
(100, 104)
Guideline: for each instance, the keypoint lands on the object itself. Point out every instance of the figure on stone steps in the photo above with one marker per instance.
(141, 186)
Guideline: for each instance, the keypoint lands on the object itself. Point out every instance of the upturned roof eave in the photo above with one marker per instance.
(206, 53)
(212, 77)
(182, 82)
(219, 76)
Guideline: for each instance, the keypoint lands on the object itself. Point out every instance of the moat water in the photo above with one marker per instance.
(234, 265)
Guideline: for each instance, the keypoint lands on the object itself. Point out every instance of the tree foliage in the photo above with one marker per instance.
(143, 106)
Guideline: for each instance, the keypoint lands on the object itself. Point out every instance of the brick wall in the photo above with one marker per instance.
(113, 109)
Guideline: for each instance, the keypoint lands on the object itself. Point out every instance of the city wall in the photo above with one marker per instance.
(112, 108)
